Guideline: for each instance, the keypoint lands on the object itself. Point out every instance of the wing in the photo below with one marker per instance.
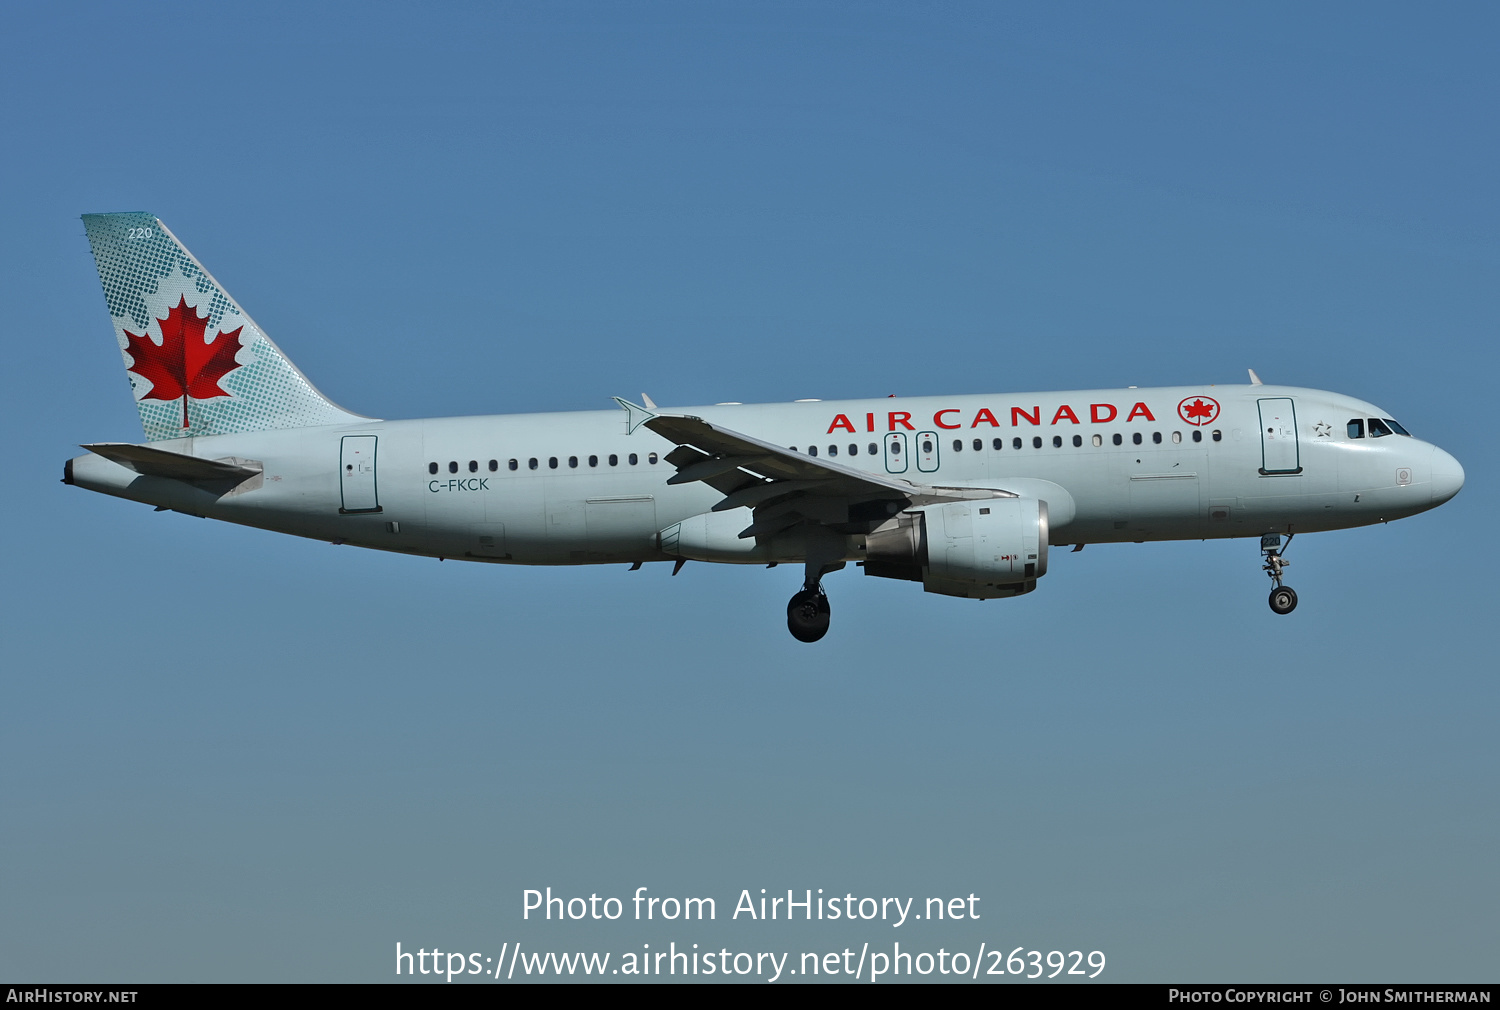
(786, 488)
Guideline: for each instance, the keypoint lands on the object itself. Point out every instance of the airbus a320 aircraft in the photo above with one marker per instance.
(964, 494)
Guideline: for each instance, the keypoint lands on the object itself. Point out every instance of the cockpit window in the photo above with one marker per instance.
(1396, 427)
(1378, 428)
(1356, 427)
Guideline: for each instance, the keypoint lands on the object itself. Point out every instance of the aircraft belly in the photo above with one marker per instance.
(1156, 494)
(620, 525)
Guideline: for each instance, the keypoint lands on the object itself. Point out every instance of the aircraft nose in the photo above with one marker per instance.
(1447, 476)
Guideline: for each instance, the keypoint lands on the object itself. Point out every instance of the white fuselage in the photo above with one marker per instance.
(579, 488)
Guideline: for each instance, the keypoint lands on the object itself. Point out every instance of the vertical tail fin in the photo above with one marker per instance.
(198, 365)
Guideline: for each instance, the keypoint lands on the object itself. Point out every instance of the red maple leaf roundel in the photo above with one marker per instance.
(183, 365)
(1198, 410)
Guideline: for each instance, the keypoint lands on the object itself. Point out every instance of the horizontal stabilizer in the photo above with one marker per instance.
(151, 462)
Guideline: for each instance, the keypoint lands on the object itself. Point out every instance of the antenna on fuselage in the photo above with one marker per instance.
(1254, 379)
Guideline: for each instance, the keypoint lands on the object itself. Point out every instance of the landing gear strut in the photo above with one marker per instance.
(1283, 598)
(808, 612)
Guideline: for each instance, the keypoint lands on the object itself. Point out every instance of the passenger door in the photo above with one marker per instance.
(358, 491)
(1279, 452)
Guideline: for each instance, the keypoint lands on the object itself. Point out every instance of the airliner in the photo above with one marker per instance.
(964, 494)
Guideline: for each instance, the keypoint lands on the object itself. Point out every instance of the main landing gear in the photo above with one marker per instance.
(807, 615)
(808, 612)
(1283, 598)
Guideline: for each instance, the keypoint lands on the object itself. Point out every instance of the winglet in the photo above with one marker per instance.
(648, 402)
(635, 416)
(1254, 379)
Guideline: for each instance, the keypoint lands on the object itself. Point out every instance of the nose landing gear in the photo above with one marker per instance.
(1283, 599)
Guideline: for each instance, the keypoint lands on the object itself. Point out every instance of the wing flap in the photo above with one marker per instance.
(711, 466)
(727, 481)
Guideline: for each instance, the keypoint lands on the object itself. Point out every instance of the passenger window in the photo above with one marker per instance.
(926, 445)
(833, 450)
(552, 462)
(1077, 441)
(1378, 428)
(1156, 437)
(812, 450)
(432, 468)
(531, 463)
(1118, 439)
(593, 461)
(958, 445)
(874, 449)
(651, 459)
(1098, 440)
(978, 444)
(1176, 438)
(794, 448)
(1015, 443)
(632, 459)
(514, 465)
(473, 466)
(1197, 434)
(1356, 427)
(614, 460)
(573, 462)
(998, 444)
(1036, 442)
(1057, 441)
(854, 449)
(1136, 438)
(494, 465)
(1218, 435)
(895, 447)
(453, 466)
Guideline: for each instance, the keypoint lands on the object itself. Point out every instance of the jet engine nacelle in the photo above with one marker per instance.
(981, 549)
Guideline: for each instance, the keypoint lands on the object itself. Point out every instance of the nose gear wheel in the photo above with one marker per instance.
(1283, 599)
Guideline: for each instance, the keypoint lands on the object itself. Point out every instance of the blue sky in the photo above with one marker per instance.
(227, 755)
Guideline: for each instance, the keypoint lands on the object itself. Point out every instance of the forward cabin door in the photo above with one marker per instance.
(357, 474)
(1279, 452)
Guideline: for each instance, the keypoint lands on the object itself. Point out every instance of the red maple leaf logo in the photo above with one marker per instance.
(1198, 410)
(183, 365)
